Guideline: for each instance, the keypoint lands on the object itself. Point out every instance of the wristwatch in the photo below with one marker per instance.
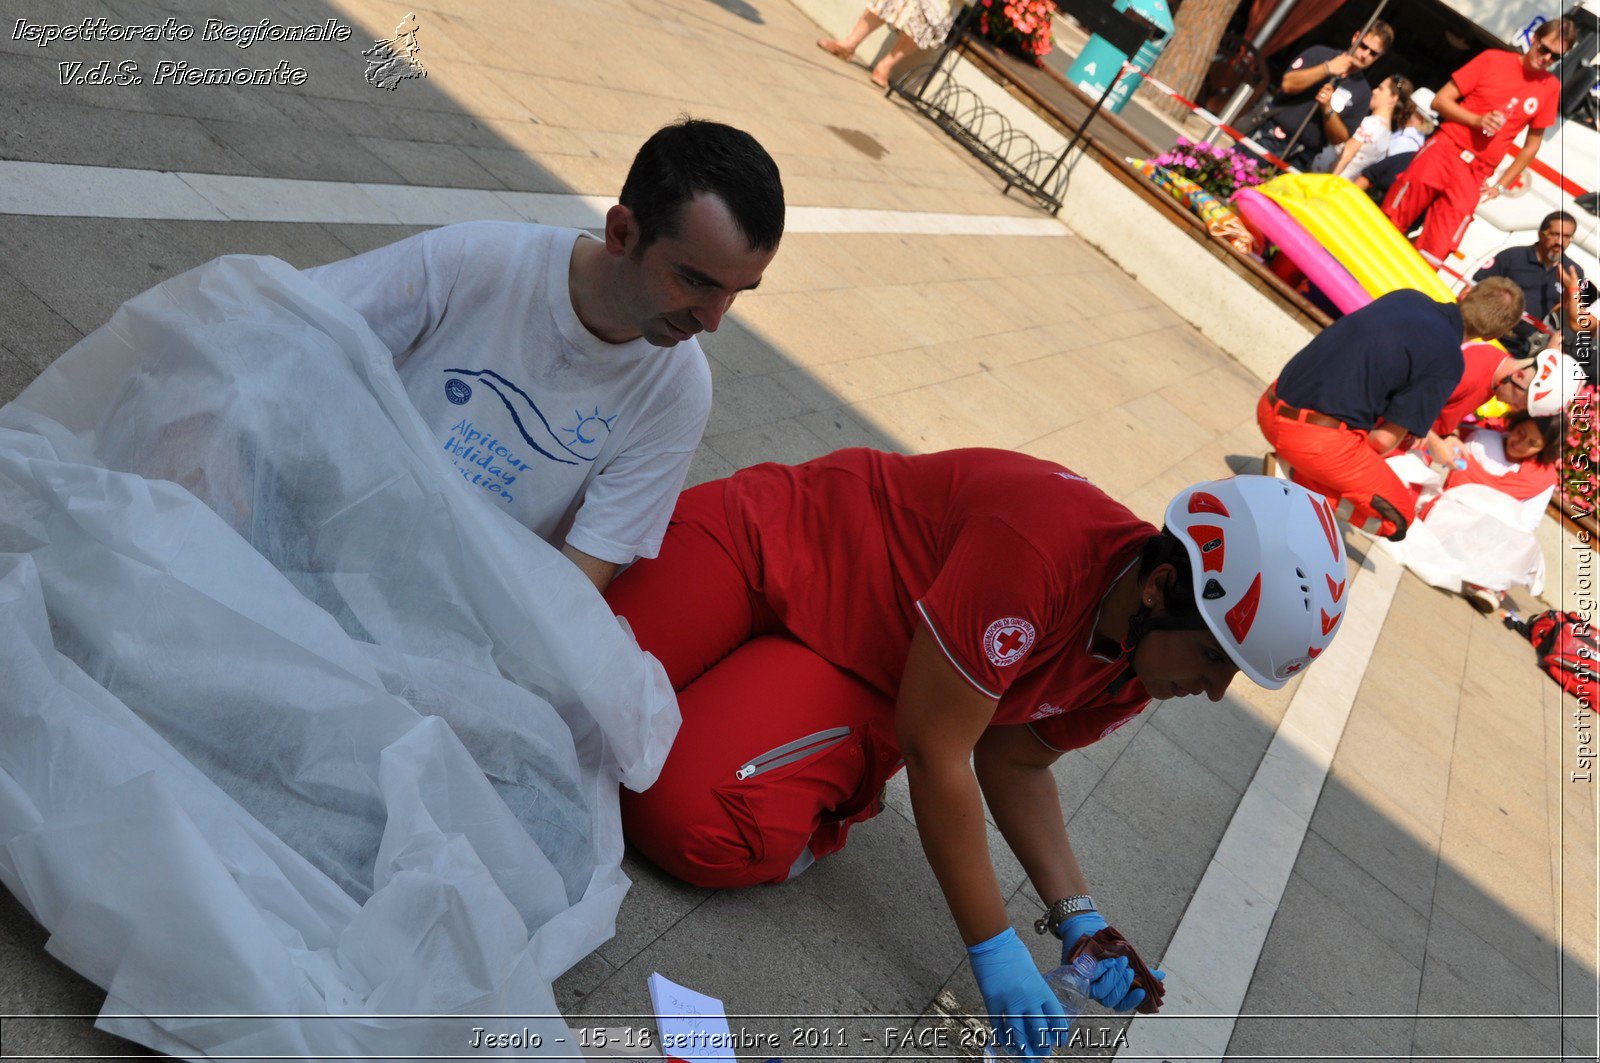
(1061, 911)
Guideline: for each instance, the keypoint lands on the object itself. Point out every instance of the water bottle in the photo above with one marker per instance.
(1070, 983)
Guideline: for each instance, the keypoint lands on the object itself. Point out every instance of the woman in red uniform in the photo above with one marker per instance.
(970, 615)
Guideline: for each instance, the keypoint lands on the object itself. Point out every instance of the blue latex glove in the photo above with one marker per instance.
(1112, 982)
(1028, 1020)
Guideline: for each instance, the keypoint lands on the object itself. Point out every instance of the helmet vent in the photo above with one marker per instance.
(1300, 572)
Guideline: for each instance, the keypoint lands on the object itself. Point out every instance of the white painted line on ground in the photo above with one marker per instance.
(1214, 952)
(55, 189)
(95, 191)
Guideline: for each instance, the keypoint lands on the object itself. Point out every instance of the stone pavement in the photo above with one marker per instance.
(1448, 870)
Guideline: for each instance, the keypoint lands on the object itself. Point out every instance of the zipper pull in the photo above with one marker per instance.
(745, 772)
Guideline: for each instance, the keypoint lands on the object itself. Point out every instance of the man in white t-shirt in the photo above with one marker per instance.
(560, 372)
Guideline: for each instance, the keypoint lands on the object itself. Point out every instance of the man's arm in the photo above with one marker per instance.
(600, 573)
(1334, 130)
(1447, 102)
(1299, 79)
(1013, 768)
(1386, 437)
(1530, 148)
(1445, 449)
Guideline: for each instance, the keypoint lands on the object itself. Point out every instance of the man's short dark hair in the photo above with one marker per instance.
(1557, 215)
(696, 157)
(1564, 26)
(1383, 31)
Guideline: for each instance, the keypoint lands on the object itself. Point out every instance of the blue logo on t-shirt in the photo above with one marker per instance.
(586, 435)
(457, 391)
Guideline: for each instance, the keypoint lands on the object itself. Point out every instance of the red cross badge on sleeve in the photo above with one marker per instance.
(1007, 640)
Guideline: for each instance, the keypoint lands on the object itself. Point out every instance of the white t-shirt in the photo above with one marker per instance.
(586, 442)
(1373, 137)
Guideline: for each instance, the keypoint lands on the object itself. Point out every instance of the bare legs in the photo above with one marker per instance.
(903, 46)
(846, 48)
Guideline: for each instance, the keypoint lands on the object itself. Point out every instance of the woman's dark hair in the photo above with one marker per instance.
(1552, 430)
(1163, 548)
(696, 157)
(1403, 107)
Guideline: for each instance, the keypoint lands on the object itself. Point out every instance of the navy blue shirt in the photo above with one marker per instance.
(1352, 97)
(1383, 174)
(1540, 284)
(1397, 359)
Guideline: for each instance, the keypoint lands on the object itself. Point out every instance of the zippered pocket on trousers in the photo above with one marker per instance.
(790, 752)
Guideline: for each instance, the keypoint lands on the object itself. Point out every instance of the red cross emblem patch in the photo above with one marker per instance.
(1007, 640)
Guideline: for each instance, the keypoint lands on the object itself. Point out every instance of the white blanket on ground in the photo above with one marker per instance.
(320, 732)
(1473, 534)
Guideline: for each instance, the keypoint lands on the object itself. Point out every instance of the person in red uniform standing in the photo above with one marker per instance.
(1367, 383)
(969, 615)
(1486, 104)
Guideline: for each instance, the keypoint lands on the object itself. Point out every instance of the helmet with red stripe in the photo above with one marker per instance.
(1268, 568)
(1557, 379)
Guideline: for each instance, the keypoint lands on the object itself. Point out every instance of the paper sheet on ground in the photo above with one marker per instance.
(693, 1027)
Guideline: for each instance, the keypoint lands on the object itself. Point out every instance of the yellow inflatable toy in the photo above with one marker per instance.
(1341, 217)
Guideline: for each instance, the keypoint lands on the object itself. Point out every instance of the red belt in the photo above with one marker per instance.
(1295, 413)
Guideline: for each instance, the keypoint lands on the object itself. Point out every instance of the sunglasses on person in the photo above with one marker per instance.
(1376, 53)
(1540, 48)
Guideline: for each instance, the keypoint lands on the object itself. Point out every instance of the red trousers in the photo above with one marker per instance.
(1338, 464)
(780, 751)
(1446, 187)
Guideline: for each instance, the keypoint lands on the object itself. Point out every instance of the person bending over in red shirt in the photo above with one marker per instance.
(1543, 385)
(970, 616)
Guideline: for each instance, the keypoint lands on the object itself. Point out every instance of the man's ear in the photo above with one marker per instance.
(621, 231)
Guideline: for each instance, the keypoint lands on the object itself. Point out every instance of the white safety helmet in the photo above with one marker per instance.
(1269, 570)
(1557, 379)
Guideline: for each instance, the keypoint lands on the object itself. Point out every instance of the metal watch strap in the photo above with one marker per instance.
(1061, 911)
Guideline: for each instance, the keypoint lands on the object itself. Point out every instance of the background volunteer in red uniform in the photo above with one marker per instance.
(970, 615)
(1366, 383)
(1485, 105)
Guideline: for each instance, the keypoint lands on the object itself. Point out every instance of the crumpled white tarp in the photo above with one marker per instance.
(318, 733)
(1473, 534)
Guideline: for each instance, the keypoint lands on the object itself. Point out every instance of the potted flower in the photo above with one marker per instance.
(1021, 27)
(1219, 170)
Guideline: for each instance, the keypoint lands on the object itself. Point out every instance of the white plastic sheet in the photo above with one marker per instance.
(317, 734)
(1472, 534)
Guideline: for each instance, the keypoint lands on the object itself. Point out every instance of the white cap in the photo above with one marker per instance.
(1557, 379)
(1422, 100)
